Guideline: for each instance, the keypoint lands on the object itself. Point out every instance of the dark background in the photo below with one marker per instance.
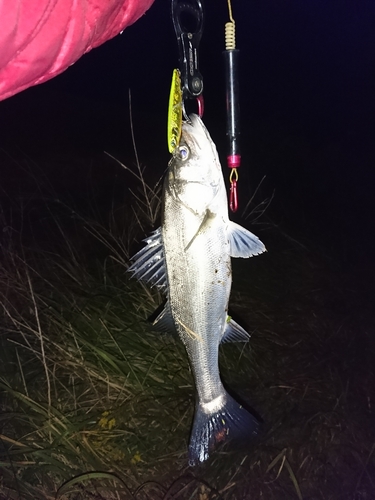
(307, 83)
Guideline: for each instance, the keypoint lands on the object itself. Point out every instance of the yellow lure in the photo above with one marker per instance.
(174, 112)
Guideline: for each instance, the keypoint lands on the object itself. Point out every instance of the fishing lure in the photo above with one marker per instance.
(174, 112)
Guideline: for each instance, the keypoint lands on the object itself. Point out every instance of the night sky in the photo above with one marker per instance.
(307, 83)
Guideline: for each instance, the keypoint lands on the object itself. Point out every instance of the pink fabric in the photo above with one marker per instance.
(41, 38)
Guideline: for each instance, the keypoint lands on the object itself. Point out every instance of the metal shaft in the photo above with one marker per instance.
(231, 58)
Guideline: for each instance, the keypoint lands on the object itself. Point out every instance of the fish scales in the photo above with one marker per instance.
(189, 259)
(200, 310)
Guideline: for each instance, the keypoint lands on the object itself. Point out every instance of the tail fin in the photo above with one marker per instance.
(211, 429)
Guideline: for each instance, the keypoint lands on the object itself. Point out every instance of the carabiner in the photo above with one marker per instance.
(187, 16)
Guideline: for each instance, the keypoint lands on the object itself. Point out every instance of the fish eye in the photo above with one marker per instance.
(183, 152)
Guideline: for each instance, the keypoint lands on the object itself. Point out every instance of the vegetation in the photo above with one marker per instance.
(96, 406)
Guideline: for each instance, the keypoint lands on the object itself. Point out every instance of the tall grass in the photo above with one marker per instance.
(96, 406)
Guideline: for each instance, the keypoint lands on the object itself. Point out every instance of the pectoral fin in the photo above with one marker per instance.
(205, 221)
(243, 243)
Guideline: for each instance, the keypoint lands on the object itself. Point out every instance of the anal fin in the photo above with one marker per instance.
(234, 332)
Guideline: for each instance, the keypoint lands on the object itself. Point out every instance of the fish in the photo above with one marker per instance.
(189, 259)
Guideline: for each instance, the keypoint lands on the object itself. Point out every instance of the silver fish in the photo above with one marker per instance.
(189, 258)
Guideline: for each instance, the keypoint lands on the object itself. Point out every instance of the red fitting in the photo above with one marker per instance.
(200, 102)
(234, 161)
(233, 198)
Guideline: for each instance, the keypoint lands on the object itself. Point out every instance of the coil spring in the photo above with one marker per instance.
(230, 36)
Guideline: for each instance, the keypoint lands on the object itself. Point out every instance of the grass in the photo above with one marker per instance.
(96, 406)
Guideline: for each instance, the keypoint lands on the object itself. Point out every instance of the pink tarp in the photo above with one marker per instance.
(41, 38)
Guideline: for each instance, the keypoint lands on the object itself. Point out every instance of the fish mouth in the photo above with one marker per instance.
(194, 122)
(195, 132)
